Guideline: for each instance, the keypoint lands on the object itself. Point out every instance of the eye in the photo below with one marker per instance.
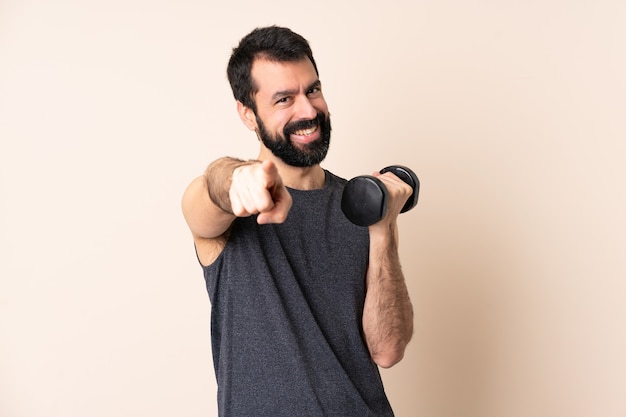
(282, 100)
(313, 91)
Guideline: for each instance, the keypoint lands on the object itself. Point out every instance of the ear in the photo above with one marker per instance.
(247, 116)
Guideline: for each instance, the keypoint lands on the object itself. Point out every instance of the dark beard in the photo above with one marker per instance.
(310, 154)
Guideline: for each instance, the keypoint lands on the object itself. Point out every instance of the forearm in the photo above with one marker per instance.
(219, 177)
(388, 313)
(206, 202)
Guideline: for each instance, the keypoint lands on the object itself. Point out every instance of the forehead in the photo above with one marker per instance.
(271, 76)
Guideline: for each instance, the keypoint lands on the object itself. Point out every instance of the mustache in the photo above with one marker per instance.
(303, 124)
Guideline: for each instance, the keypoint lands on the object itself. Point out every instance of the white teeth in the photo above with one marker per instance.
(305, 132)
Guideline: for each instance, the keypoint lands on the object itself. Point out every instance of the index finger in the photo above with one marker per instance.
(270, 171)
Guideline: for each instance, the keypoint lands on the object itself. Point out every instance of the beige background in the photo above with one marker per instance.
(512, 113)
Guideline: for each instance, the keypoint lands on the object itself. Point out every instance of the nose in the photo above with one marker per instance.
(304, 109)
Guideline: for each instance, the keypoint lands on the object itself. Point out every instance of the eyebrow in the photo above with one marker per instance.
(283, 93)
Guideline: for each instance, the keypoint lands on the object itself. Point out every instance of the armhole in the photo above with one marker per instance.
(208, 250)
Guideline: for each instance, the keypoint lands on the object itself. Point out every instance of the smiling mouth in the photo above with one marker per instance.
(305, 132)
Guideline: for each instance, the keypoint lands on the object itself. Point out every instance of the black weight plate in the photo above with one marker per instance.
(364, 200)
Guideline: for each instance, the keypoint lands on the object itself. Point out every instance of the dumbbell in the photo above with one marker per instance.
(364, 198)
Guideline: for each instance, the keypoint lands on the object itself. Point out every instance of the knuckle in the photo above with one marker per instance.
(238, 210)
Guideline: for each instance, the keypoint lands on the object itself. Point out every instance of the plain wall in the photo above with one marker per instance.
(511, 113)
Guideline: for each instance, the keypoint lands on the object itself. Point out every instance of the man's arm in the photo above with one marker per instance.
(233, 188)
(388, 313)
(205, 218)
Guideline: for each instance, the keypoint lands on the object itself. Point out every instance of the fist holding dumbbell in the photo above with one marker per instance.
(365, 198)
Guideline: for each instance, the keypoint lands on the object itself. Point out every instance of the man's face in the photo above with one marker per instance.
(292, 117)
(304, 155)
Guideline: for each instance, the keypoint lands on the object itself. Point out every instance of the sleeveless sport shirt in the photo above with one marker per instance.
(287, 303)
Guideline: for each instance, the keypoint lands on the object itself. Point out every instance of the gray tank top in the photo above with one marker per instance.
(287, 303)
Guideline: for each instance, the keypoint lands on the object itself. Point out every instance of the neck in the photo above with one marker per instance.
(310, 178)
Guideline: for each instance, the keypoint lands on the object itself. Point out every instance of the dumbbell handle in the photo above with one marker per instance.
(408, 176)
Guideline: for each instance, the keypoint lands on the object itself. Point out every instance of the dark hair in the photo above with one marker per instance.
(274, 43)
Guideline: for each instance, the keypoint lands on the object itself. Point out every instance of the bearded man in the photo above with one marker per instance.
(305, 306)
